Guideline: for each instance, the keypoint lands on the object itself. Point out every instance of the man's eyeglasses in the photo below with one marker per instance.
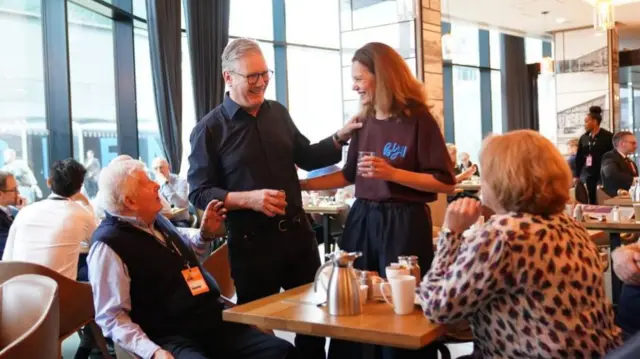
(252, 79)
(15, 190)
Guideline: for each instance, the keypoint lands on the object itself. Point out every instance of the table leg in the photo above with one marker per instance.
(616, 284)
(326, 235)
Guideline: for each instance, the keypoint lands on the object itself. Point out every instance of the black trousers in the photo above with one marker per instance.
(628, 312)
(382, 232)
(592, 188)
(229, 341)
(263, 262)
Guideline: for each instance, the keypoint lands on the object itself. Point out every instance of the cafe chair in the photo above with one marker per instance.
(579, 193)
(218, 266)
(601, 196)
(30, 318)
(76, 301)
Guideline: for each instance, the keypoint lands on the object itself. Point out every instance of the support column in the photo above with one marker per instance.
(429, 41)
(614, 83)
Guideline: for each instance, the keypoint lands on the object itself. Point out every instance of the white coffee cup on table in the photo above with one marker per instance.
(394, 271)
(403, 289)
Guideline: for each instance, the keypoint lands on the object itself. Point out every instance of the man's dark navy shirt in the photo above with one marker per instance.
(233, 151)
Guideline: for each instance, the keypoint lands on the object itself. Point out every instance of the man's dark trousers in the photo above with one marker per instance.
(263, 260)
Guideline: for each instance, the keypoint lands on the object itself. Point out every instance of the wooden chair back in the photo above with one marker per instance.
(29, 314)
(76, 298)
(218, 265)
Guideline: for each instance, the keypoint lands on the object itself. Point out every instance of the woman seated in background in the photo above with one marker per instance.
(529, 280)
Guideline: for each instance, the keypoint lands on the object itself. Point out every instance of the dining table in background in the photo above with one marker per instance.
(326, 211)
(619, 201)
(466, 186)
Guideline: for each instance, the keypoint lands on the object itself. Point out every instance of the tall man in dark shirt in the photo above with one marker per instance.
(618, 170)
(591, 147)
(244, 153)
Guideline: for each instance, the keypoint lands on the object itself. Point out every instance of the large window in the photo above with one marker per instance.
(466, 110)
(149, 142)
(466, 44)
(314, 23)
(23, 130)
(314, 96)
(93, 97)
(251, 18)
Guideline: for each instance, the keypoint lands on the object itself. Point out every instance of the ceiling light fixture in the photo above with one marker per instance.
(603, 15)
(561, 20)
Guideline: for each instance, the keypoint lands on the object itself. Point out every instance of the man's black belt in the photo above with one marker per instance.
(270, 225)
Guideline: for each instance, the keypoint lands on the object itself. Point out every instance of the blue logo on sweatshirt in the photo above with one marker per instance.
(393, 150)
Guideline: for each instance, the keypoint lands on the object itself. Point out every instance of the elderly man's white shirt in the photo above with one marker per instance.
(51, 233)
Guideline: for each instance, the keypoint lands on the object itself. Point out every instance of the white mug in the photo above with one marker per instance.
(403, 292)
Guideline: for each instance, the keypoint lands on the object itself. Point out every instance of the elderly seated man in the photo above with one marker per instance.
(151, 295)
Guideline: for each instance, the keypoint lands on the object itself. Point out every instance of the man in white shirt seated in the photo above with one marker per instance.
(52, 232)
(173, 189)
(151, 294)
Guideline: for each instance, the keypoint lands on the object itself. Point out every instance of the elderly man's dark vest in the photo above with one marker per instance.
(161, 301)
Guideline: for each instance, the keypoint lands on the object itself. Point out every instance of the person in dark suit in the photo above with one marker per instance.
(618, 170)
(591, 147)
(8, 199)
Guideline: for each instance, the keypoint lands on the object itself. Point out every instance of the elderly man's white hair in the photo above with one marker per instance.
(237, 49)
(117, 182)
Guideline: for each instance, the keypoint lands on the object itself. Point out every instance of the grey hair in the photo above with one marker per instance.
(116, 183)
(618, 137)
(237, 49)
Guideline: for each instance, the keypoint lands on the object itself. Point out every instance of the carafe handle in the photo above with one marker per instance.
(319, 276)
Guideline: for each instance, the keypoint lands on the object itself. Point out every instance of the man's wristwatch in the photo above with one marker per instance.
(339, 141)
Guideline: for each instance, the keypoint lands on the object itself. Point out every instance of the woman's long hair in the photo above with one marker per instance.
(397, 92)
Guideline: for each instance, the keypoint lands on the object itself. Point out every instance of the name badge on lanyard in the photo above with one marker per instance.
(195, 281)
(589, 161)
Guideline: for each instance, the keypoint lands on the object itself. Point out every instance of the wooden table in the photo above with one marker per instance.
(614, 229)
(619, 201)
(174, 212)
(293, 311)
(326, 212)
(468, 187)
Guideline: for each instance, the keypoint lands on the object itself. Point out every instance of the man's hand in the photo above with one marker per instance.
(626, 264)
(461, 214)
(212, 218)
(162, 354)
(468, 173)
(268, 201)
(347, 131)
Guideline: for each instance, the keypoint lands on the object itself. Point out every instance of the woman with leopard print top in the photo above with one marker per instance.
(529, 280)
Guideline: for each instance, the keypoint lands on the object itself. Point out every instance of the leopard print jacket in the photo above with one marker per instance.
(531, 287)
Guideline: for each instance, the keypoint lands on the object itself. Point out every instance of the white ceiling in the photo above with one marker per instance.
(525, 16)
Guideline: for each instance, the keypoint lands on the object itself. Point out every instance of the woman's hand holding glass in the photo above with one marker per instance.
(375, 167)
